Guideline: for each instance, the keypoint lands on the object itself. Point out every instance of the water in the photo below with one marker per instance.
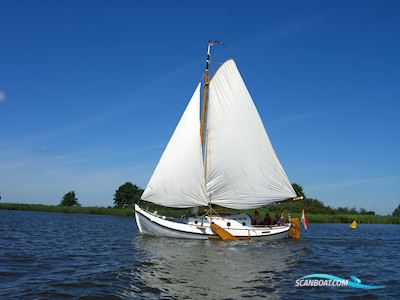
(51, 255)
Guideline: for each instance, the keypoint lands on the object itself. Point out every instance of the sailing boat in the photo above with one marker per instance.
(224, 159)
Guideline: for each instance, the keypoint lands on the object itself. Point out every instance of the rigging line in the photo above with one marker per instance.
(201, 78)
(213, 63)
(213, 69)
(210, 210)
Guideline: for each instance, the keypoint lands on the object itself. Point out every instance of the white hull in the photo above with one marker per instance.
(197, 228)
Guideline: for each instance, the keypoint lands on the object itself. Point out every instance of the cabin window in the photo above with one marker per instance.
(195, 222)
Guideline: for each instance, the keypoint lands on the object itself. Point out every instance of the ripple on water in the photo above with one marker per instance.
(49, 255)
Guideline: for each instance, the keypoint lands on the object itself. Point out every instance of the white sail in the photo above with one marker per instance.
(178, 180)
(242, 168)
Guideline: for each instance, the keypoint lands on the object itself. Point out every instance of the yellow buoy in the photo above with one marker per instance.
(353, 224)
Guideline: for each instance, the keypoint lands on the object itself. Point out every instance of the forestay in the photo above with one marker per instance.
(178, 180)
(243, 170)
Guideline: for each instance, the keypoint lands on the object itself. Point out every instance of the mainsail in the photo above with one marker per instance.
(178, 180)
(242, 169)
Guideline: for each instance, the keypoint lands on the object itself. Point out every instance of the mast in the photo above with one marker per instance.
(205, 89)
(204, 110)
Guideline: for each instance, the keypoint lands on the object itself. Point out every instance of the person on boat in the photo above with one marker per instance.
(256, 218)
(276, 219)
(267, 219)
(283, 219)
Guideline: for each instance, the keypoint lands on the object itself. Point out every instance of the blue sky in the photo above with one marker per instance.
(90, 91)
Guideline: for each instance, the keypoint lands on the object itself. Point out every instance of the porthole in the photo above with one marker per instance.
(195, 222)
(244, 224)
(229, 224)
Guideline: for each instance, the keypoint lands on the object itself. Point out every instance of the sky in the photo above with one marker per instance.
(91, 91)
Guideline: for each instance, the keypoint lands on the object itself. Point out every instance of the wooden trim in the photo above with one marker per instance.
(204, 106)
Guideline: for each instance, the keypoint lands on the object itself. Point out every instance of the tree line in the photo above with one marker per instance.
(129, 194)
(125, 196)
(315, 206)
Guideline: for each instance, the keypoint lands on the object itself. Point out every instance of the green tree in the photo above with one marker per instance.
(69, 199)
(396, 212)
(299, 190)
(127, 194)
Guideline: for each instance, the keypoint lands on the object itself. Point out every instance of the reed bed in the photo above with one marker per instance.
(129, 212)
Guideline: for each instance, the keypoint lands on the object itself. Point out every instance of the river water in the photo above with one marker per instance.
(54, 255)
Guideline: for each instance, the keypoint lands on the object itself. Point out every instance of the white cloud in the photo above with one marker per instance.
(346, 184)
(2, 96)
(41, 175)
(296, 118)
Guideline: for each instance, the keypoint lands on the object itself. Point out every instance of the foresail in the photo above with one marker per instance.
(178, 180)
(242, 168)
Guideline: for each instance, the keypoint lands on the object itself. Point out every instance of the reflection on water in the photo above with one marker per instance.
(190, 268)
(50, 255)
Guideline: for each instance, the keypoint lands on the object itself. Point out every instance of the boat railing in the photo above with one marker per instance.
(270, 226)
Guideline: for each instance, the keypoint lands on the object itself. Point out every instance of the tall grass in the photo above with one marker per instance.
(173, 212)
(69, 209)
(322, 218)
(364, 219)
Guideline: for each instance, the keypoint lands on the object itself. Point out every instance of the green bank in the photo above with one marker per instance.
(69, 209)
(129, 212)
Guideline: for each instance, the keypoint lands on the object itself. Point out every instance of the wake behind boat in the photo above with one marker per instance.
(224, 159)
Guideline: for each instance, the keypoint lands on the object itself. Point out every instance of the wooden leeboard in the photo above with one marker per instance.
(225, 235)
(294, 231)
